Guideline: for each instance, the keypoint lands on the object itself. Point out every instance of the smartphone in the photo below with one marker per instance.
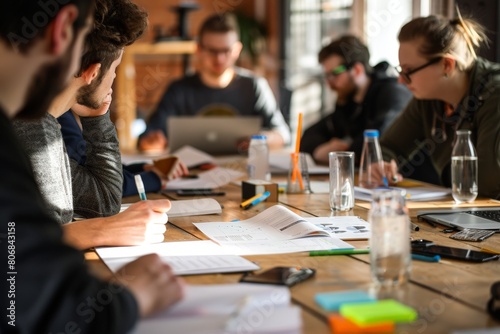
(280, 275)
(421, 243)
(199, 192)
(455, 253)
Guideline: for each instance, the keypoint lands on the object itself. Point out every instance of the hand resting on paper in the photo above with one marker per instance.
(142, 223)
(152, 282)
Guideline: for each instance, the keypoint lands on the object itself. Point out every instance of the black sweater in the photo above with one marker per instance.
(384, 100)
(49, 284)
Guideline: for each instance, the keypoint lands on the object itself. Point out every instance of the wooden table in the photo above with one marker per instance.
(448, 296)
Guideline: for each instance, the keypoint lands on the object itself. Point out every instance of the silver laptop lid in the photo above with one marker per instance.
(211, 134)
(474, 218)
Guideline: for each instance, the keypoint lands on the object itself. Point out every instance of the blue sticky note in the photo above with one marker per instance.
(331, 301)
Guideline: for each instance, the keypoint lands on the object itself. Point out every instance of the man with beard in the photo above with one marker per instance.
(45, 283)
(367, 98)
(218, 88)
(93, 189)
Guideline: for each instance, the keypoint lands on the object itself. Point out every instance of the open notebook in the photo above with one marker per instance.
(228, 308)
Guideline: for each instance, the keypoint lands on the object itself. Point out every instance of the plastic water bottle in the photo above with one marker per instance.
(371, 169)
(464, 168)
(258, 159)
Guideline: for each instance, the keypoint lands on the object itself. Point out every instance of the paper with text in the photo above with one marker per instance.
(275, 230)
(344, 227)
(185, 257)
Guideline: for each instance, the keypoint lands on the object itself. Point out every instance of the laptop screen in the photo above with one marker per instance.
(212, 134)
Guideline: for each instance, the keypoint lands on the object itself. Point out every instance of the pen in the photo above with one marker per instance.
(339, 252)
(140, 187)
(414, 227)
(254, 200)
(425, 258)
(234, 317)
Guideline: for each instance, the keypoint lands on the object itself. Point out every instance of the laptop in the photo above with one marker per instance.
(473, 218)
(214, 135)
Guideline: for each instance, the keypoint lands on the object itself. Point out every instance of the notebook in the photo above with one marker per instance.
(211, 134)
(474, 218)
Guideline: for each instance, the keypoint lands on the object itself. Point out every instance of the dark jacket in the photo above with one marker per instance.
(384, 100)
(50, 287)
(423, 125)
(76, 147)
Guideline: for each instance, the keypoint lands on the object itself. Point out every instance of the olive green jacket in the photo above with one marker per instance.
(423, 124)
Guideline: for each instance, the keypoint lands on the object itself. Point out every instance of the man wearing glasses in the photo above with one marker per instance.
(367, 98)
(218, 88)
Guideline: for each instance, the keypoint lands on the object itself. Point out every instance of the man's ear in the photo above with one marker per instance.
(237, 47)
(91, 73)
(358, 68)
(62, 33)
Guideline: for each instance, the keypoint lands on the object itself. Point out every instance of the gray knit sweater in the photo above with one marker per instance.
(92, 190)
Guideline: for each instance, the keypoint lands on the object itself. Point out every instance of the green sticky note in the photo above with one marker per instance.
(382, 311)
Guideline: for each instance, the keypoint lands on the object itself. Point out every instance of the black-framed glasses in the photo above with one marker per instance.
(406, 75)
(215, 52)
(332, 74)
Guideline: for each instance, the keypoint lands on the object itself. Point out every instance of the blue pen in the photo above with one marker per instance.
(426, 258)
(386, 183)
(140, 187)
(257, 200)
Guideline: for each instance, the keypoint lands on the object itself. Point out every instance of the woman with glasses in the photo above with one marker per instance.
(453, 89)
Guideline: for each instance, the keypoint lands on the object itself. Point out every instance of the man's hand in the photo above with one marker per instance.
(142, 223)
(168, 168)
(152, 282)
(391, 172)
(153, 141)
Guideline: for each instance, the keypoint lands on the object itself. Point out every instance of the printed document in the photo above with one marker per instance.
(185, 257)
(190, 207)
(273, 231)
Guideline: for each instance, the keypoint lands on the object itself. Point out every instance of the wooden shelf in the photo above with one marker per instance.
(125, 92)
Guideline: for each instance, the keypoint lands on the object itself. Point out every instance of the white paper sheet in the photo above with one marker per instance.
(344, 227)
(208, 309)
(213, 178)
(185, 257)
(273, 231)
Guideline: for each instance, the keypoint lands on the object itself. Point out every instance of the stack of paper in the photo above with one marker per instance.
(412, 193)
(273, 231)
(213, 178)
(185, 257)
(228, 308)
(190, 207)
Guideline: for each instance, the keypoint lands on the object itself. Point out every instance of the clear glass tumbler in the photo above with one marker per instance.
(390, 251)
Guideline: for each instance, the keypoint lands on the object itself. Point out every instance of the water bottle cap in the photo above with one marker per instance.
(371, 133)
(259, 137)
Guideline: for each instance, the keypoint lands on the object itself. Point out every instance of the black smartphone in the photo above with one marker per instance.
(280, 275)
(421, 243)
(455, 253)
(199, 192)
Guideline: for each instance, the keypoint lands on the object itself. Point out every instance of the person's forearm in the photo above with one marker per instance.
(98, 184)
(84, 234)
(321, 152)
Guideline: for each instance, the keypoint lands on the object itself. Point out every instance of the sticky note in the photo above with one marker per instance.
(381, 311)
(331, 301)
(340, 325)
